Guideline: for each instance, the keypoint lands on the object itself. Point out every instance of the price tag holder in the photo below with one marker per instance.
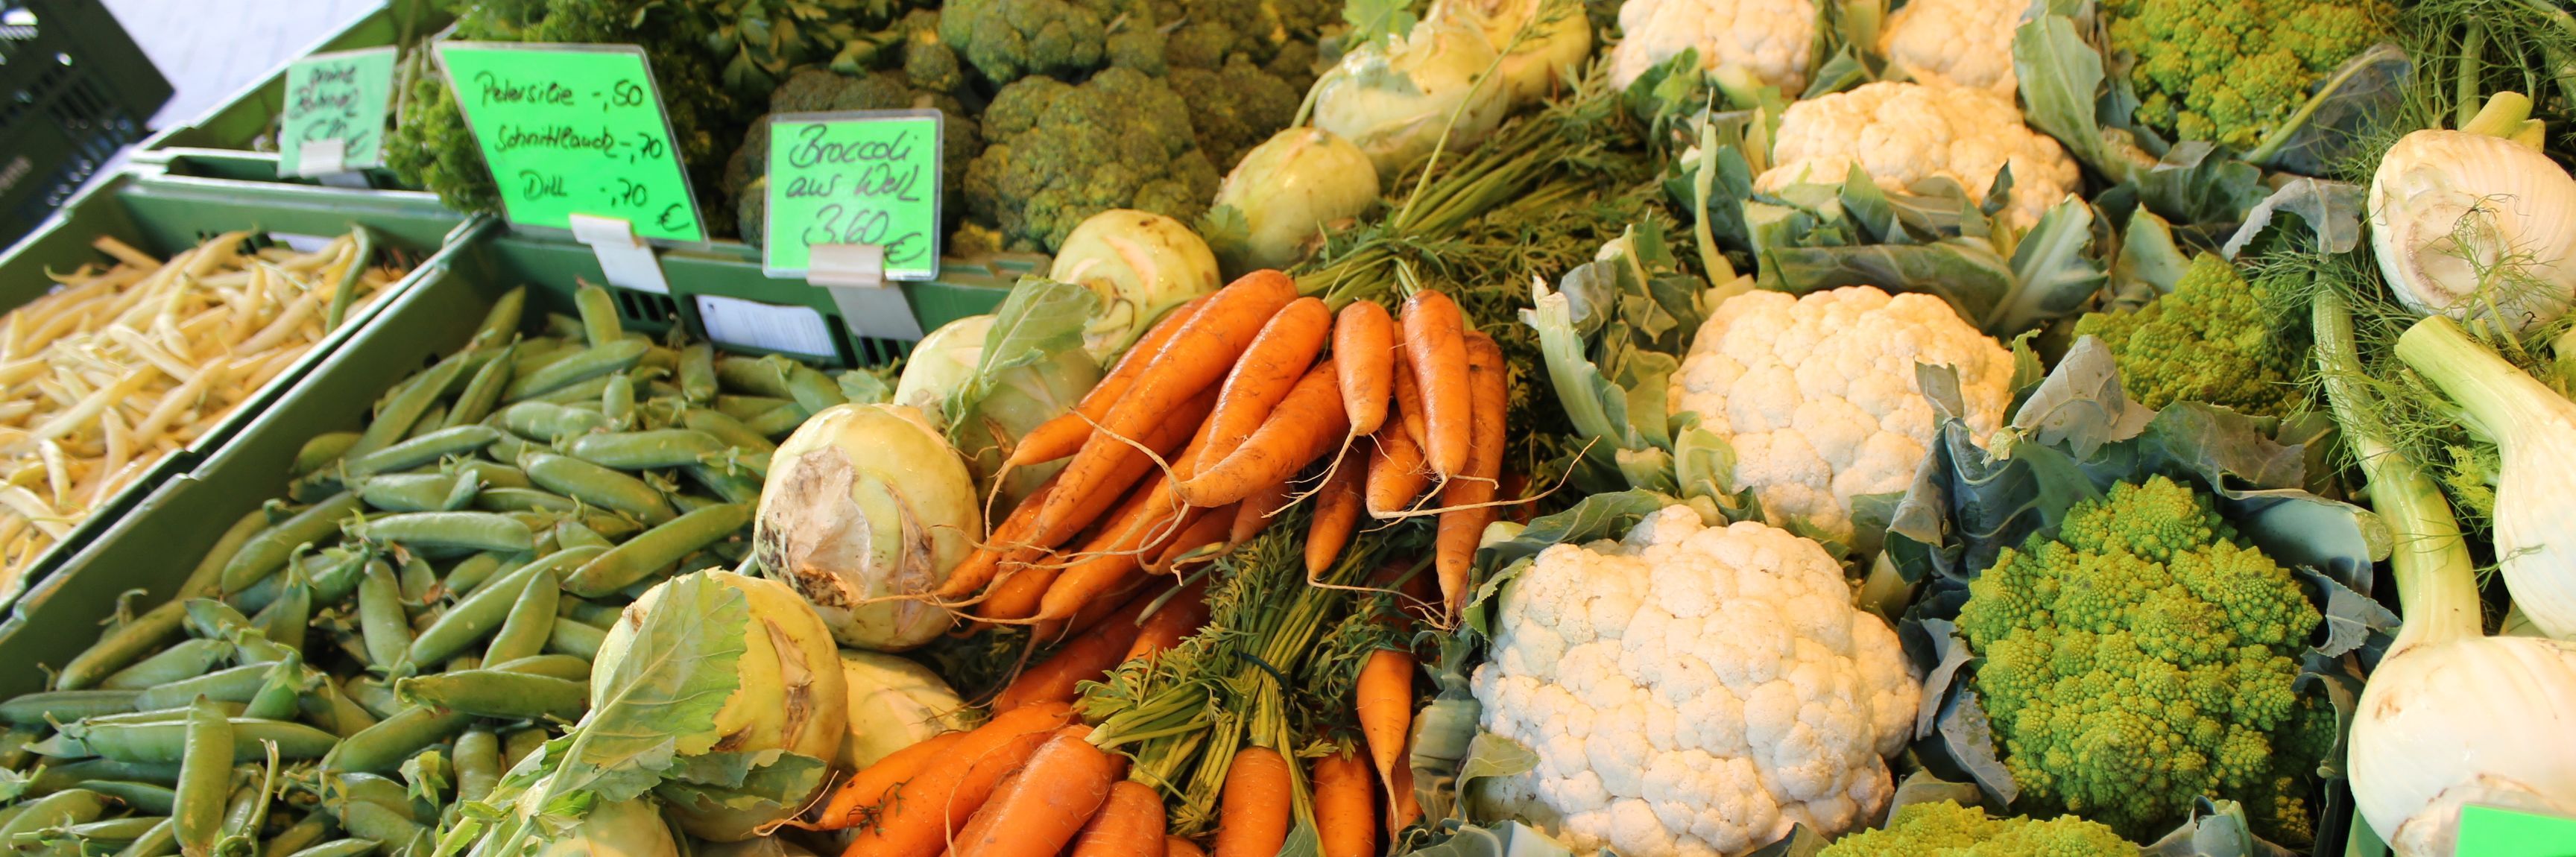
(334, 119)
(574, 129)
(2487, 831)
(853, 205)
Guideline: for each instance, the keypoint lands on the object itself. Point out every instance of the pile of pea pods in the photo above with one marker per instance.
(419, 612)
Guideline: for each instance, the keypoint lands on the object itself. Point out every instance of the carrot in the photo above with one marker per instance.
(1337, 513)
(1364, 351)
(1098, 610)
(1464, 524)
(1087, 658)
(917, 818)
(1270, 367)
(1174, 846)
(1385, 694)
(1185, 429)
(1179, 618)
(978, 567)
(1130, 824)
(1205, 527)
(1408, 398)
(1253, 514)
(1435, 337)
(1117, 555)
(1253, 811)
(1406, 807)
(1345, 811)
(1063, 436)
(1036, 810)
(1306, 426)
(1199, 353)
(1395, 473)
(853, 804)
(1516, 484)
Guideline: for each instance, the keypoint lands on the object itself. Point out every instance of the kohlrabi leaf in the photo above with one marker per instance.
(1039, 320)
(767, 788)
(660, 700)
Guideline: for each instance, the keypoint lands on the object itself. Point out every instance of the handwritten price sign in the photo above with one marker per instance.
(860, 177)
(335, 98)
(574, 129)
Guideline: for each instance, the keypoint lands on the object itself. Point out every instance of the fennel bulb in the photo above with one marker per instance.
(2535, 429)
(1291, 188)
(1140, 264)
(2477, 223)
(2450, 716)
(1395, 101)
(865, 510)
(894, 703)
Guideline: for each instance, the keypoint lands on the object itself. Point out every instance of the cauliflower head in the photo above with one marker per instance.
(1769, 39)
(1818, 397)
(1902, 133)
(1946, 829)
(2147, 656)
(2215, 339)
(1954, 42)
(1694, 690)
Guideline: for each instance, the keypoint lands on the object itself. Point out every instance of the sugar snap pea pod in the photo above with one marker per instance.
(55, 778)
(151, 798)
(483, 391)
(376, 823)
(478, 764)
(335, 848)
(646, 450)
(597, 361)
(287, 679)
(482, 612)
(490, 474)
(812, 390)
(471, 571)
(510, 446)
(548, 421)
(733, 487)
(597, 486)
(725, 428)
(778, 422)
(339, 575)
(125, 829)
(530, 622)
(372, 694)
(599, 325)
(584, 395)
(430, 420)
(425, 449)
(566, 667)
(283, 621)
(126, 642)
(524, 500)
(319, 452)
(64, 706)
(698, 373)
(574, 534)
(384, 746)
(326, 707)
(756, 375)
(588, 612)
(395, 419)
(205, 780)
(655, 548)
(304, 833)
(370, 788)
(237, 684)
(493, 693)
(469, 530)
(13, 745)
(164, 741)
(418, 578)
(269, 551)
(381, 622)
(61, 809)
(576, 639)
(185, 660)
(747, 407)
(409, 492)
(501, 321)
(166, 715)
(617, 401)
(687, 503)
(518, 744)
(161, 841)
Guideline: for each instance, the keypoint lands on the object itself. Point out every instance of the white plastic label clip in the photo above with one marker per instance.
(321, 157)
(624, 259)
(855, 275)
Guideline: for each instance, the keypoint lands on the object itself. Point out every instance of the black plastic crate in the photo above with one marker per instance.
(74, 89)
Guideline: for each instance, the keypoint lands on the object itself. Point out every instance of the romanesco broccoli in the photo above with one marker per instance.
(1058, 153)
(2226, 70)
(1945, 829)
(2215, 339)
(2146, 656)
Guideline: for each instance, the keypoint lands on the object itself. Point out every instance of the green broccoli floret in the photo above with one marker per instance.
(1010, 39)
(1206, 32)
(1236, 108)
(1945, 829)
(1057, 153)
(2225, 71)
(2144, 657)
(2215, 339)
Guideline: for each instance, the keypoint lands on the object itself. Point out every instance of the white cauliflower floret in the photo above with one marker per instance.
(1902, 133)
(1818, 396)
(1768, 39)
(1694, 690)
(1954, 42)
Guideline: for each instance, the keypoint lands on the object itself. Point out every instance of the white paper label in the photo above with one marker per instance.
(322, 157)
(770, 327)
(625, 260)
(302, 243)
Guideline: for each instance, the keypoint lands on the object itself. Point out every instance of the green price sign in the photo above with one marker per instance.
(2486, 831)
(334, 119)
(868, 177)
(574, 129)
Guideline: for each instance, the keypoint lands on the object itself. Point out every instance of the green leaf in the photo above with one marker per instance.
(1378, 20)
(2345, 108)
(2149, 264)
(2060, 75)
(2331, 210)
(1039, 320)
(2216, 829)
(2055, 273)
(661, 699)
(1965, 272)
(1596, 516)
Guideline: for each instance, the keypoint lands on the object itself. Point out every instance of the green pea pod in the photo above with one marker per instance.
(660, 546)
(467, 530)
(325, 706)
(524, 500)
(186, 660)
(597, 486)
(510, 447)
(243, 813)
(518, 744)
(338, 848)
(646, 450)
(58, 810)
(471, 571)
(125, 829)
(287, 679)
(304, 833)
(566, 667)
(384, 746)
(732, 487)
(755, 375)
(778, 422)
(369, 788)
(376, 823)
(345, 568)
(725, 428)
(493, 693)
(67, 775)
(812, 390)
(491, 474)
(530, 622)
(617, 401)
(746, 407)
(483, 392)
(395, 419)
(409, 492)
(599, 325)
(166, 715)
(574, 534)
(269, 551)
(502, 321)
(584, 395)
(238, 684)
(372, 694)
(482, 612)
(126, 642)
(551, 422)
(576, 639)
(478, 764)
(283, 621)
(161, 841)
(205, 780)
(419, 580)
(381, 622)
(595, 362)
(320, 452)
(698, 373)
(423, 450)
(149, 798)
(430, 420)
(590, 613)
(65, 706)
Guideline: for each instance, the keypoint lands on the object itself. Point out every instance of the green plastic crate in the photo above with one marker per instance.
(162, 217)
(74, 89)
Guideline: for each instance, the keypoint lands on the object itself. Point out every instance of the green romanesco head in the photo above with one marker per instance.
(1945, 829)
(1058, 153)
(2144, 657)
(2215, 339)
(2226, 71)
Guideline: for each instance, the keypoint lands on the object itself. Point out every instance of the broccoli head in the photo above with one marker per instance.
(1057, 153)
(2144, 657)
(1945, 829)
(2215, 339)
(1235, 108)
(1206, 32)
(1010, 39)
(2226, 70)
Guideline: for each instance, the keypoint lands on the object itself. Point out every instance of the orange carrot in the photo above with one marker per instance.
(1407, 807)
(1337, 513)
(1253, 514)
(1099, 609)
(1022, 594)
(1129, 825)
(917, 818)
(1087, 658)
(1408, 398)
(1204, 527)
(1385, 694)
(1117, 555)
(1174, 846)
(978, 567)
(1199, 353)
(1364, 351)
(1396, 475)
(1253, 811)
(1345, 811)
(1179, 618)
(1306, 426)
(853, 804)
(1036, 810)
(1270, 366)
(1464, 525)
(1435, 337)
(1185, 428)
(1516, 484)
(1063, 436)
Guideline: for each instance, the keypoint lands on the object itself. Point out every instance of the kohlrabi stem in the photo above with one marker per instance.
(2502, 117)
(2498, 399)
(2436, 579)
